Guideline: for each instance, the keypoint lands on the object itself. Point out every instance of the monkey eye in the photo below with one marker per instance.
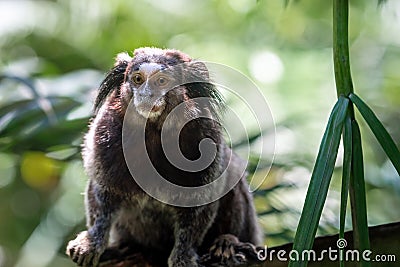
(161, 81)
(137, 78)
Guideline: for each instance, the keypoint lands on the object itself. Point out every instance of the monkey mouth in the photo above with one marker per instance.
(156, 108)
(151, 110)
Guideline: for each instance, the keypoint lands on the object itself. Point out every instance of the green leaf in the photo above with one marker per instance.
(19, 118)
(16, 110)
(379, 131)
(348, 147)
(25, 81)
(320, 180)
(357, 195)
(24, 125)
(42, 102)
(63, 133)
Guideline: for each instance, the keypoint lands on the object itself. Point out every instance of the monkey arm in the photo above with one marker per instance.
(190, 228)
(89, 245)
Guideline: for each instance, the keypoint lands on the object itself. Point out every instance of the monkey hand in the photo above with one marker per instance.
(183, 258)
(229, 251)
(83, 251)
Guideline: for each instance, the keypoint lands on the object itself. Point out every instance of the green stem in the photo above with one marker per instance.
(344, 87)
(341, 59)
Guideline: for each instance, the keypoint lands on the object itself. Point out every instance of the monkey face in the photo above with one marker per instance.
(150, 74)
(156, 81)
(149, 83)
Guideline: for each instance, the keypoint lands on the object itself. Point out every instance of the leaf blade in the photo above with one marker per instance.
(348, 147)
(383, 137)
(320, 180)
(358, 196)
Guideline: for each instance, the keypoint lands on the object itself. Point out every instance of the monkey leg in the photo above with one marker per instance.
(190, 229)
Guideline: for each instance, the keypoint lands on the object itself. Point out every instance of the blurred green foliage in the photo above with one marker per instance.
(62, 48)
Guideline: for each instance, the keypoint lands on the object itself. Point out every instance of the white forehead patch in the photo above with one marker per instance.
(149, 68)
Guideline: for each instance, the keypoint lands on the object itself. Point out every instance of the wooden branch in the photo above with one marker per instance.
(385, 240)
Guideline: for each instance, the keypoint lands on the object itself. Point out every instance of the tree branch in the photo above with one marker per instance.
(384, 241)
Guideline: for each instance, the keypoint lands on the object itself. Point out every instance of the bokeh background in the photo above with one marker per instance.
(60, 50)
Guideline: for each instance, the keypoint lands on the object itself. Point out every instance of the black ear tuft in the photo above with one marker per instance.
(199, 84)
(199, 69)
(114, 79)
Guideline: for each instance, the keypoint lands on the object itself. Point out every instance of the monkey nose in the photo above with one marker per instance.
(145, 94)
(145, 91)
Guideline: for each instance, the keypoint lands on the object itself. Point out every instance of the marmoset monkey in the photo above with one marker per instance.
(118, 210)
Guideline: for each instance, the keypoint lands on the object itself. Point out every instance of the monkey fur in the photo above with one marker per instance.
(118, 211)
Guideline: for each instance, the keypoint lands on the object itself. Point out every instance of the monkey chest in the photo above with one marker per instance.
(146, 222)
